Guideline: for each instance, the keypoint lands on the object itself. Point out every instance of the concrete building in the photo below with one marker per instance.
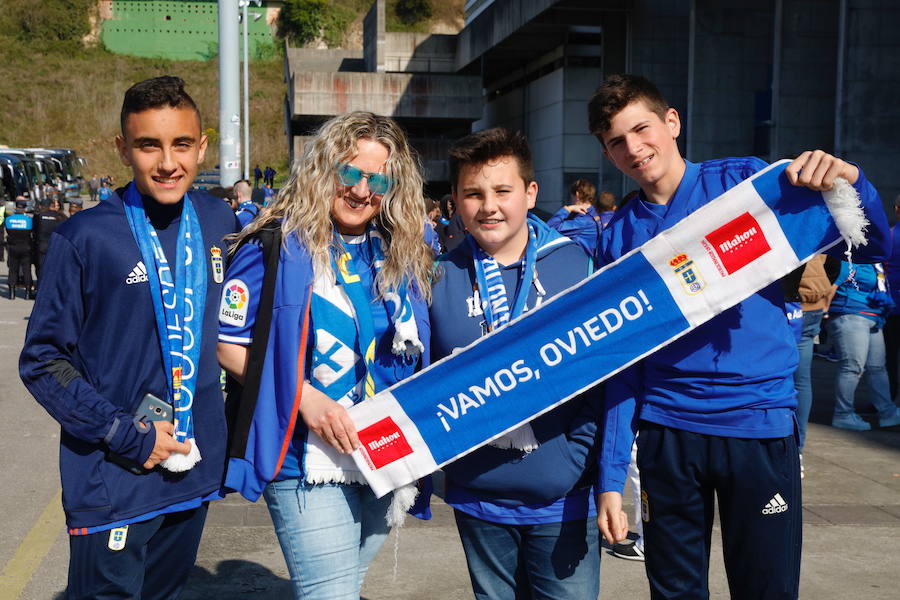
(409, 76)
(749, 77)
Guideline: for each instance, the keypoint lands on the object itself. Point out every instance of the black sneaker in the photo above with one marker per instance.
(628, 551)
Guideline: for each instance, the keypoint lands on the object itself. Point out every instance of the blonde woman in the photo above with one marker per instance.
(348, 319)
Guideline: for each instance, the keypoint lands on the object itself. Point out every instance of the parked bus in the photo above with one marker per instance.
(68, 158)
(34, 171)
(31, 170)
(14, 180)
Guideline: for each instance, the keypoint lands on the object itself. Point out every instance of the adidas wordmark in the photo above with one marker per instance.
(138, 274)
(776, 505)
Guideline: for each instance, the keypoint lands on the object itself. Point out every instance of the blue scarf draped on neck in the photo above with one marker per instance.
(178, 307)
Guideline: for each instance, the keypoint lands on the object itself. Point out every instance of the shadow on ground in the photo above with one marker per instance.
(235, 580)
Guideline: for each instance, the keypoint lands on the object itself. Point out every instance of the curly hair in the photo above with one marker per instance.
(304, 204)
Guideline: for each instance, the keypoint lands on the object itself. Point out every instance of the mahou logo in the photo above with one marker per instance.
(384, 442)
(738, 242)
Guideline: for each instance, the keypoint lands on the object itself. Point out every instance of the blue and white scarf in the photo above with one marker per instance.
(497, 313)
(342, 318)
(178, 307)
(750, 236)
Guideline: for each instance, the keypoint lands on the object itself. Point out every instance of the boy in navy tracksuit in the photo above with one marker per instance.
(93, 350)
(522, 503)
(714, 409)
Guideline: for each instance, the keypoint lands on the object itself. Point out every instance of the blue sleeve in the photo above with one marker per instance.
(244, 217)
(240, 295)
(619, 429)
(557, 218)
(431, 238)
(421, 508)
(843, 274)
(49, 362)
(878, 242)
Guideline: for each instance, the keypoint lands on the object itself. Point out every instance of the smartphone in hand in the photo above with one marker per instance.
(150, 409)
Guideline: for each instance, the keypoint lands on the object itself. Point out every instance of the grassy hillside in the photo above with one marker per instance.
(55, 92)
(63, 95)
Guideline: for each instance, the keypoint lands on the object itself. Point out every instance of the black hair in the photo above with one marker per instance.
(158, 92)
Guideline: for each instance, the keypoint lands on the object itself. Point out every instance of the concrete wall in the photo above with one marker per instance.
(419, 53)
(325, 60)
(374, 38)
(651, 40)
(396, 94)
(747, 77)
(805, 102)
(869, 126)
(731, 77)
(495, 23)
(551, 111)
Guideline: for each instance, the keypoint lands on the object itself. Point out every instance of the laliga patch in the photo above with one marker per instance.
(383, 443)
(738, 242)
(215, 259)
(235, 298)
(688, 274)
(117, 538)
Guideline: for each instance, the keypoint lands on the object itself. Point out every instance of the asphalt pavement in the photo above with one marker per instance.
(851, 492)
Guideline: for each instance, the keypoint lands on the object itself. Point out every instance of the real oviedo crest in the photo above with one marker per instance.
(688, 274)
(218, 269)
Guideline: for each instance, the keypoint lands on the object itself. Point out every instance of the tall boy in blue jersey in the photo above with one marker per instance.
(714, 409)
(523, 504)
(127, 307)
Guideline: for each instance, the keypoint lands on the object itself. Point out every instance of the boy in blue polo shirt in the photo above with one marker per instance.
(523, 502)
(715, 408)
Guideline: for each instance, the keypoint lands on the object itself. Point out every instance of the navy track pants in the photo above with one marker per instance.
(152, 564)
(757, 485)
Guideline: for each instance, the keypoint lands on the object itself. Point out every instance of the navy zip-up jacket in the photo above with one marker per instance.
(92, 351)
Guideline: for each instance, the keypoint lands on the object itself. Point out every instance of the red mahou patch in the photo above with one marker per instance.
(738, 242)
(384, 442)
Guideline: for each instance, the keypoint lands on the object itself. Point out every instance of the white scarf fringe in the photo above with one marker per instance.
(406, 333)
(178, 463)
(404, 498)
(843, 203)
(334, 476)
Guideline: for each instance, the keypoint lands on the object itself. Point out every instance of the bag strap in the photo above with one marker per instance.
(241, 399)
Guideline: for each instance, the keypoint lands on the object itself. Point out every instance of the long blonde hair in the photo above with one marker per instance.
(304, 204)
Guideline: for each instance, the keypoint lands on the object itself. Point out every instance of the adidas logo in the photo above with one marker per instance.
(776, 505)
(138, 274)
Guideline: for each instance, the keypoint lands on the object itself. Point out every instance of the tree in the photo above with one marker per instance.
(301, 21)
(411, 12)
(50, 20)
